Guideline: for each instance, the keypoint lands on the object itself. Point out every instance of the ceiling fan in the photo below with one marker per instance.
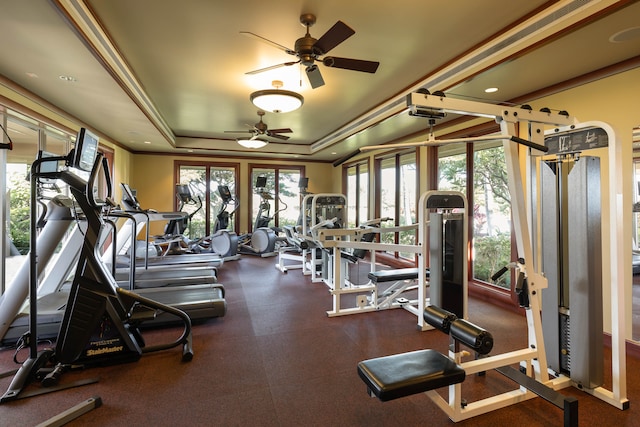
(309, 50)
(261, 129)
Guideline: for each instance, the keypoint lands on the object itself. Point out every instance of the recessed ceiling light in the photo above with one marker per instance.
(147, 142)
(333, 152)
(491, 89)
(625, 35)
(68, 78)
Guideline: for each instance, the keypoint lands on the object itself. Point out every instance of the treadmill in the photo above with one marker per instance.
(138, 218)
(200, 300)
(155, 271)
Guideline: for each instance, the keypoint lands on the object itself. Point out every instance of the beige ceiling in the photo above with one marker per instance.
(172, 73)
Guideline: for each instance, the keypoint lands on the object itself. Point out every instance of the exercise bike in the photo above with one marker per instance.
(101, 321)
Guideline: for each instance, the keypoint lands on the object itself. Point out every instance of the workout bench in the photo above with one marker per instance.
(399, 375)
(370, 297)
(402, 279)
(295, 250)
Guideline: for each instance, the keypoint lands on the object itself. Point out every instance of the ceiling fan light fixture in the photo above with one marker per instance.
(276, 100)
(252, 143)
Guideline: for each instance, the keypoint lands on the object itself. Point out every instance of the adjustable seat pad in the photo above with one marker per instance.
(393, 275)
(399, 375)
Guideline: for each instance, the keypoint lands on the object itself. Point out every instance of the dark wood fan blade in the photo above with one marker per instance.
(274, 44)
(238, 131)
(275, 135)
(314, 76)
(351, 64)
(332, 38)
(272, 67)
(283, 130)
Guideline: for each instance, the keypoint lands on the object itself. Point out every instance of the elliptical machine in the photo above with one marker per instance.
(179, 226)
(222, 242)
(262, 240)
(101, 321)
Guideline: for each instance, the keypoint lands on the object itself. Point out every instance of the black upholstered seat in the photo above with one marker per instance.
(399, 375)
(393, 275)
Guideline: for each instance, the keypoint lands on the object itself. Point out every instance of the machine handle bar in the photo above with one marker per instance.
(529, 144)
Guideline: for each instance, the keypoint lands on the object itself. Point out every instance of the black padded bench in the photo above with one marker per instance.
(399, 375)
(404, 374)
(393, 275)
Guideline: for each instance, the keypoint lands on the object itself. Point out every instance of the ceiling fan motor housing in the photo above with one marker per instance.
(305, 51)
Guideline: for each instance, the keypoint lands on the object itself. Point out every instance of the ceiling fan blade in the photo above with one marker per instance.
(283, 130)
(351, 64)
(274, 44)
(272, 67)
(238, 131)
(314, 76)
(275, 135)
(332, 38)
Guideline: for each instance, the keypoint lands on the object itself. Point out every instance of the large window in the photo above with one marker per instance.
(491, 214)
(356, 177)
(452, 172)
(203, 180)
(397, 185)
(25, 137)
(489, 203)
(278, 202)
(28, 136)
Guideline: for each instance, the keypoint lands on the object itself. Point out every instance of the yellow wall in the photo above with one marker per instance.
(121, 169)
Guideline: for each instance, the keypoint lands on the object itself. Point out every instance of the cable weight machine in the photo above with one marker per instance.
(570, 213)
(543, 129)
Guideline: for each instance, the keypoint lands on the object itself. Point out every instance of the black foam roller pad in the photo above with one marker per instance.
(439, 318)
(472, 336)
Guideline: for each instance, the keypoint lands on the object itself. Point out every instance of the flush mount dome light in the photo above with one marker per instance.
(276, 100)
(252, 143)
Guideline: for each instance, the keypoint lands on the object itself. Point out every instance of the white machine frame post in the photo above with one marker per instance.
(309, 230)
(349, 238)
